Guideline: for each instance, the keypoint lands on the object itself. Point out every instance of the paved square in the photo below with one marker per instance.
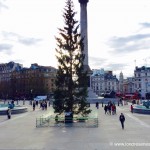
(20, 132)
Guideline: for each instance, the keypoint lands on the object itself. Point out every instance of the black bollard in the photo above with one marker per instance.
(102, 104)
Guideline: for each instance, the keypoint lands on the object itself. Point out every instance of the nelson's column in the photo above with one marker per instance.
(84, 31)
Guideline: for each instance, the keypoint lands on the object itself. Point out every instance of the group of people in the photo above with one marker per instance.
(110, 108)
(43, 104)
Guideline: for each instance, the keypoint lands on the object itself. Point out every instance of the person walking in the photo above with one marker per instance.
(131, 108)
(105, 108)
(115, 111)
(9, 113)
(34, 106)
(97, 105)
(122, 120)
(109, 109)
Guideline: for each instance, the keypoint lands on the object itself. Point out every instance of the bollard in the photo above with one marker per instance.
(102, 104)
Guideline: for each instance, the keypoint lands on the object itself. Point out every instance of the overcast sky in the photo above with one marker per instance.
(118, 32)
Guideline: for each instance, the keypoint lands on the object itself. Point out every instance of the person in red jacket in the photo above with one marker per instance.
(131, 108)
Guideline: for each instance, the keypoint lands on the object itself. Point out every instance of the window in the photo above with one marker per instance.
(139, 85)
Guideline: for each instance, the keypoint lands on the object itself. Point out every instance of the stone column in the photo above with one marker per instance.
(83, 27)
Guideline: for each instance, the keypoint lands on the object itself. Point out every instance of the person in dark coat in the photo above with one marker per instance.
(9, 113)
(97, 105)
(37, 103)
(105, 108)
(122, 120)
(34, 105)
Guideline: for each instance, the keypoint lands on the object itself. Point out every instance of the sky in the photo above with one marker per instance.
(118, 33)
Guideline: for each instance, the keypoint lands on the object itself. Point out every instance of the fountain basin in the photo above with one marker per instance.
(16, 110)
(141, 109)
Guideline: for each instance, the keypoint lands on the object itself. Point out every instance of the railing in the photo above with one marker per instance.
(48, 120)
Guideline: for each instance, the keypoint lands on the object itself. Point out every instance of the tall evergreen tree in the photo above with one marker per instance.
(71, 81)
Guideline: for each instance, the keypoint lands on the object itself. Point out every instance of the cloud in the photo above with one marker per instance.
(28, 41)
(130, 43)
(6, 48)
(97, 62)
(2, 5)
(17, 60)
(116, 66)
(145, 24)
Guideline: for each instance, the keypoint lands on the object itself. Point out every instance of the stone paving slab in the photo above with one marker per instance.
(20, 133)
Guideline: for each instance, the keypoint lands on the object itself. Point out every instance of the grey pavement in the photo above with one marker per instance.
(20, 133)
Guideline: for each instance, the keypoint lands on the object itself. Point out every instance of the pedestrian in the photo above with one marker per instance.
(131, 108)
(34, 106)
(122, 120)
(105, 108)
(9, 113)
(118, 103)
(113, 109)
(97, 105)
(109, 109)
(45, 105)
(37, 103)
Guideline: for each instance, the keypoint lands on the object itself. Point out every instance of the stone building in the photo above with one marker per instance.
(142, 80)
(28, 82)
(103, 82)
(6, 70)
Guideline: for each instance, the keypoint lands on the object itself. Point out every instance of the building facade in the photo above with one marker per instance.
(27, 82)
(6, 70)
(142, 80)
(103, 82)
